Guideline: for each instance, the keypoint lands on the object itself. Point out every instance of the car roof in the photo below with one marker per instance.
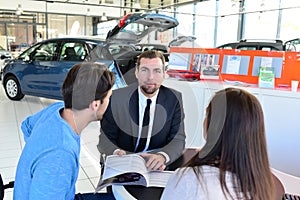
(259, 44)
(83, 38)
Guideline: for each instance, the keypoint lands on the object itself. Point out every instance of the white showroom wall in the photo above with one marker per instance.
(62, 8)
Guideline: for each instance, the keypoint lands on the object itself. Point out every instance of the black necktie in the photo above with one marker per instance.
(145, 127)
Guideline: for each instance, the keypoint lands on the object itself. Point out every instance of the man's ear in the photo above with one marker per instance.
(95, 104)
(136, 72)
(165, 74)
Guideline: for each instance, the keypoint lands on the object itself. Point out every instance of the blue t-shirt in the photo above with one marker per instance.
(49, 163)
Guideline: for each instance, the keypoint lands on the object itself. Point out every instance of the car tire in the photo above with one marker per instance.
(13, 89)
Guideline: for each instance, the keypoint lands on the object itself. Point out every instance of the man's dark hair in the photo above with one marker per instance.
(151, 54)
(85, 83)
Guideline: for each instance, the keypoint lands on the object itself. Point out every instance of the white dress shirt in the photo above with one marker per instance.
(142, 107)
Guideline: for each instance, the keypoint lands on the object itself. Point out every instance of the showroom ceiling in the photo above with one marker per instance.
(141, 4)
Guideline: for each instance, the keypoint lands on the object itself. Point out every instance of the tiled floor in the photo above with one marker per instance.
(12, 113)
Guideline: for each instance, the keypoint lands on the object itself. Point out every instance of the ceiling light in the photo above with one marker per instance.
(88, 12)
(19, 10)
(104, 18)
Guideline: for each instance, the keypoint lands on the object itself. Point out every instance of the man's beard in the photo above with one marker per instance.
(149, 90)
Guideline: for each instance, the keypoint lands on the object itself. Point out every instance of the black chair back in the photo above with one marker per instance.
(1, 188)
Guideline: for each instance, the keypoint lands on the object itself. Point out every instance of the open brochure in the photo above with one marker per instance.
(131, 170)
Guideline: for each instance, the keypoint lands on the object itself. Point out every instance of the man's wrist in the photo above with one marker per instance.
(116, 151)
(165, 156)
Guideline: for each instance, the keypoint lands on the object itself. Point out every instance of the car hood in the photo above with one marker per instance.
(180, 40)
(133, 27)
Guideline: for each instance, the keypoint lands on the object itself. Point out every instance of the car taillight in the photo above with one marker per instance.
(123, 19)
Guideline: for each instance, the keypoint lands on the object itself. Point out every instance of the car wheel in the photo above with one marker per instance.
(13, 89)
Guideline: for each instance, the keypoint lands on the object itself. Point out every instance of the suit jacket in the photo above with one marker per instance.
(120, 123)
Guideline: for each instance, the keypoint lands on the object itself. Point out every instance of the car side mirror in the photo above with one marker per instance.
(3, 57)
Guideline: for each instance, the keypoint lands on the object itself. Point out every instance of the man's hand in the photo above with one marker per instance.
(154, 161)
(119, 152)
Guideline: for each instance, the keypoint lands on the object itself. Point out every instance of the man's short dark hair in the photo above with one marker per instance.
(151, 54)
(85, 83)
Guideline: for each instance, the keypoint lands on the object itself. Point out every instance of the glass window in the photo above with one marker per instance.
(40, 34)
(186, 21)
(56, 25)
(267, 49)
(226, 47)
(2, 30)
(247, 47)
(20, 37)
(73, 51)
(167, 12)
(228, 21)
(136, 28)
(27, 52)
(75, 25)
(40, 18)
(45, 52)
(204, 31)
(261, 24)
(3, 37)
(89, 26)
(166, 36)
(114, 49)
(290, 27)
(104, 27)
(98, 52)
(30, 18)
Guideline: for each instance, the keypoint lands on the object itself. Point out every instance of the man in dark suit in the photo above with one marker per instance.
(123, 129)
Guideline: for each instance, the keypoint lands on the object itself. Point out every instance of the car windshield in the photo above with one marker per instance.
(28, 52)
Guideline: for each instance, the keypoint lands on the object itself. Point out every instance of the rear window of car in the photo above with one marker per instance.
(247, 47)
(120, 49)
(258, 47)
(225, 47)
(264, 46)
(135, 28)
(269, 49)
